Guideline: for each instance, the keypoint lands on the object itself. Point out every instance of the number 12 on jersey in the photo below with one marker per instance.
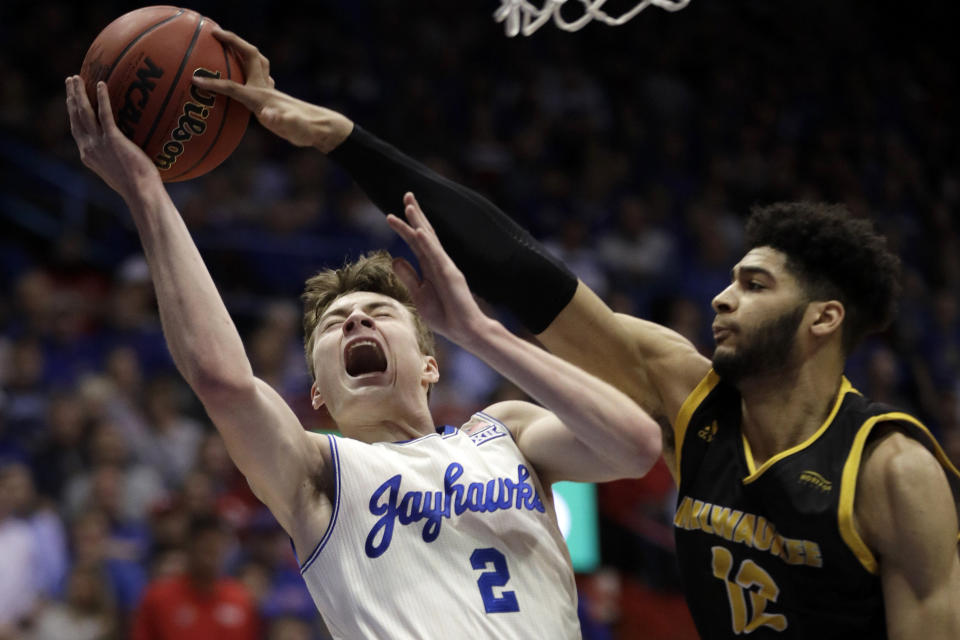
(750, 580)
(498, 576)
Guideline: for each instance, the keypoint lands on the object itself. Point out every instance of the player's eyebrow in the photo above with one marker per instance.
(748, 270)
(341, 311)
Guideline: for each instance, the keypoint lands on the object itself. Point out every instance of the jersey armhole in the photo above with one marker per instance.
(335, 511)
(689, 406)
(851, 469)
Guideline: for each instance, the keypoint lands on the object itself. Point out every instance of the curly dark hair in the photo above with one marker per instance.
(836, 257)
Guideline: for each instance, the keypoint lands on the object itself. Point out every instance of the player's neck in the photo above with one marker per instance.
(407, 425)
(783, 410)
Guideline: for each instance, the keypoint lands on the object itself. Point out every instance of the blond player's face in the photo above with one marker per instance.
(367, 359)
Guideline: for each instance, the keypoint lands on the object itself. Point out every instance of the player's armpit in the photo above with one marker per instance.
(906, 514)
(284, 464)
(654, 365)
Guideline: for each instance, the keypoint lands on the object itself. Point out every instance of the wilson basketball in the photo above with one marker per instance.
(147, 58)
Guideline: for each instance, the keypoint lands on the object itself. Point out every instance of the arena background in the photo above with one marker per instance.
(634, 152)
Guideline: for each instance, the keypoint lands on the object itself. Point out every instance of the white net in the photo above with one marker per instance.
(524, 17)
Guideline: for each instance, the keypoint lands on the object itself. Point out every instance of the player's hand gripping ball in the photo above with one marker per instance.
(147, 58)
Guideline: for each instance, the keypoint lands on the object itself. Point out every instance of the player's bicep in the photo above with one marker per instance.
(652, 364)
(909, 517)
(553, 450)
(267, 443)
(589, 334)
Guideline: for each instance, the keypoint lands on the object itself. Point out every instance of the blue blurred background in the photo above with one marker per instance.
(633, 152)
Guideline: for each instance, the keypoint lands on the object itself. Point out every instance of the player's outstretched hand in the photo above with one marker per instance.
(103, 147)
(300, 123)
(441, 295)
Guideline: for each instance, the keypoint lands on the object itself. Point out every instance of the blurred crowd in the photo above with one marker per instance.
(635, 153)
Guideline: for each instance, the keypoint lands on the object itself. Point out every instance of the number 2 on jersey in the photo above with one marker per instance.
(750, 575)
(498, 577)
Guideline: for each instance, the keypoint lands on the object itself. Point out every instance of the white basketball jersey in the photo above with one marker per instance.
(444, 536)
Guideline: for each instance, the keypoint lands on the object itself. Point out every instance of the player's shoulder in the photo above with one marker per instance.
(895, 461)
(320, 444)
(899, 479)
(514, 415)
(652, 338)
(666, 360)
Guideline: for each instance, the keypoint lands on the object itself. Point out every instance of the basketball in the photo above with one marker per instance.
(147, 58)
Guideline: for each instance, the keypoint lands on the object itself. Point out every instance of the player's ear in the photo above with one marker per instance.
(829, 317)
(431, 372)
(316, 400)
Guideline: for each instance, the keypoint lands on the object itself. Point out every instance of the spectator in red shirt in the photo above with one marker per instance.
(201, 603)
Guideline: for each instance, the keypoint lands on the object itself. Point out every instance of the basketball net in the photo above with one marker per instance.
(522, 16)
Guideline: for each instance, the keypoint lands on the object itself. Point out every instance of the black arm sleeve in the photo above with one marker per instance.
(502, 262)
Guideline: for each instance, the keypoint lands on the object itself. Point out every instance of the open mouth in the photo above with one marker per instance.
(364, 356)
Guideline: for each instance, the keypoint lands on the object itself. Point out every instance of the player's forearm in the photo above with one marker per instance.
(603, 418)
(201, 336)
(502, 262)
(328, 129)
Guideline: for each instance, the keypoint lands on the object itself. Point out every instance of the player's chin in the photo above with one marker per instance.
(726, 362)
(723, 352)
(369, 381)
(365, 395)
(372, 388)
